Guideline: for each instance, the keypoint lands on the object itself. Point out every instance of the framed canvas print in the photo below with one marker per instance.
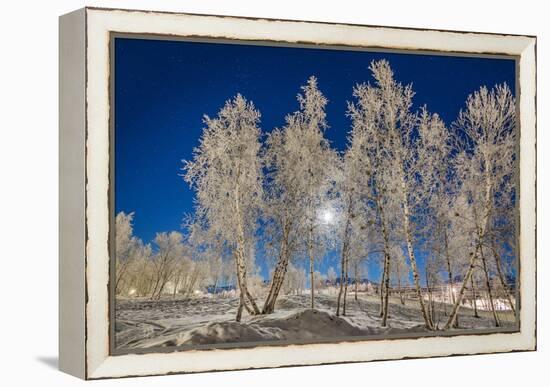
(244, 193)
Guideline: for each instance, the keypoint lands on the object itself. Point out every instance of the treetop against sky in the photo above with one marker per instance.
(164, 88)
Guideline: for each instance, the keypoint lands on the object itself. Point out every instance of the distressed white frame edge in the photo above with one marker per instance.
(72, 232)
(101, 22)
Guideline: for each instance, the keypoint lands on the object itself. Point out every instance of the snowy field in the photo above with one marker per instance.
(211, 320)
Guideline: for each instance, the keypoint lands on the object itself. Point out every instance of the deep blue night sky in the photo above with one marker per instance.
(163, 89)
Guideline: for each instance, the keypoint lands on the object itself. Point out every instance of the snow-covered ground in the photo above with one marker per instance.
(211, 320)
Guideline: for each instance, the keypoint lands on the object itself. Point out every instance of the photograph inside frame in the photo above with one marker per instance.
(270, 194)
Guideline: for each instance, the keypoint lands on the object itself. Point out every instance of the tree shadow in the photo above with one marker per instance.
(50, 361)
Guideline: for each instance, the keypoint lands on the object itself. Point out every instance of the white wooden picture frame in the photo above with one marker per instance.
(85, 135)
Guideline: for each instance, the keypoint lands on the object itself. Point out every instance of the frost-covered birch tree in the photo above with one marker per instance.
(124, 243)
(168, 257)
(436, 192)
(295, 280)
(380, 122)
(130, 252)
(355, 215)
(209, 248)
(226, 173)
(318, 163)
(390, 105)
(301, 162)
(487, 126)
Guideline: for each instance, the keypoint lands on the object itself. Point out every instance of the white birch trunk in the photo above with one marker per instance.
(412, 258)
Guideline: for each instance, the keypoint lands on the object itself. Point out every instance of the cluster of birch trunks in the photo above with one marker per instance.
(427, 200)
